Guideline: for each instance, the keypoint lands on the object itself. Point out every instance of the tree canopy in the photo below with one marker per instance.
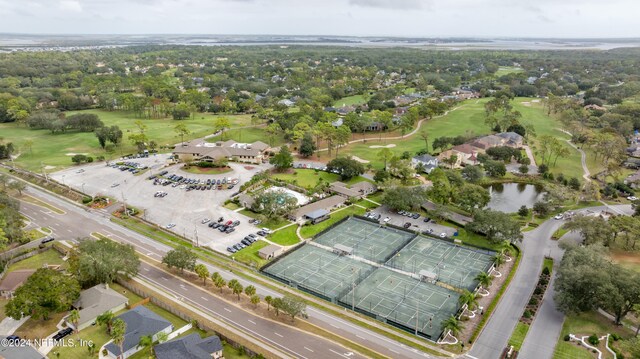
(497, 226)
(102, 261)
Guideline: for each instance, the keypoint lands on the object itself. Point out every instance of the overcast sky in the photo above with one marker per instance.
(428, 18)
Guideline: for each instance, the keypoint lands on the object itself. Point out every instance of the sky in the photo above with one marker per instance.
(403, 18)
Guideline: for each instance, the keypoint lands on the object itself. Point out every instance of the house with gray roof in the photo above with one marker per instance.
(140, 322)
(190, 347)
(19, 351)
(95, 301)
(511, 139)
(199, 150)
(427, 162)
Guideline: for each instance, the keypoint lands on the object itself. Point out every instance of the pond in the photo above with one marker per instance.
(509, 197)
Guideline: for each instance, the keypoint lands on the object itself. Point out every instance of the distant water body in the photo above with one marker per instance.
(13, 42)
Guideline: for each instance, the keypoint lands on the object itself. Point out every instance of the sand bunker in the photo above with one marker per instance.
(391, 145)
(359, 159)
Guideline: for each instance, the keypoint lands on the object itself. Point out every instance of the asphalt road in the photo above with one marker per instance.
(540, 342)
(78, 222)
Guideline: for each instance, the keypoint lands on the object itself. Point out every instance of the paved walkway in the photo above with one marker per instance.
(583, 158)
(9, 325)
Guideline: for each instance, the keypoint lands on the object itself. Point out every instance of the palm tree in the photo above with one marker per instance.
(484, 279)
(255, 300)
(202, 272)
(268, 299)
(499, 259)
(506, 248)
(105, 318)
(468, 298)
(118, 330)
(146, 341)
(74, 317)
(162, 337)
(453, 325)
(250, 290)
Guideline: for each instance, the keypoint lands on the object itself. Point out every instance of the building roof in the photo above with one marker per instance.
(341, 188)
(19, 351)
(364, 186)
(426, 158)
(221, 149)
(13, 280)
(510, 136)
(140, 322)
(318, 213)
(491, 140)
(188, 347)
(326, 203)
(465, 148)
(269, 250)
(97, 300)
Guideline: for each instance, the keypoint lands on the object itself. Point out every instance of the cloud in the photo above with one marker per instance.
(392, 4)
(70, 5)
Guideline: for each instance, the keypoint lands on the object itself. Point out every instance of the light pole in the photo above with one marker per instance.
(63, 180)
(82, 187)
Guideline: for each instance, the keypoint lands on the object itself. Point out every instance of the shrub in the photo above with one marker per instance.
(86, 199)
(527, 314)
(593, 339)
(533, 301)
(538, 290)
(546, 271)
(615, 337)
(543, 281)
(567, 338)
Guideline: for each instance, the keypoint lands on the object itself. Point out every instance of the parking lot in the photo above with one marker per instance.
(185, 209)
(418, 225)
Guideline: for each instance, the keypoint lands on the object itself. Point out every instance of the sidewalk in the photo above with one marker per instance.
(9, 325)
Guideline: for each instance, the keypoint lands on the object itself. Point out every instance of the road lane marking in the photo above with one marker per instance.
(227, 309)
(308, 349)
(251, 321)
(205, 299)
(146, 269)
(335, 352)
(360, 337)
(68, 230)
(280, 335)
(335, 326)
(165, 278)
(394, 351)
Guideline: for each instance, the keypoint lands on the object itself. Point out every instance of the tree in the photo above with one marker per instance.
(220, 124)
(441, 191)
(307, 145)
(346, 167)
(162, 337)
(250, 290)
(182, 130)
(46, 291)
(272, 131)
(102, 261)
(255, 300)
(404, 198)
(274, 204)
(293, 306)
(139, 140)
(181, 111)
(381, 175)
(218, 281)
(282, 160)
(495, 168)
(74, 317)
(385, 155)
(146, 342)
(472, 174)
(202, 272)
(524, 169)
(276, 303)
(496, 225)
(523, 211)
(425, 136)
(592, 229)
(469, 299)
(106, 319)
(268, 299)
(118, 330)
(453, 325)
(181, 258)
(484, 279)
(471, 197)
(18, 186)
(236, 287)
(499, 259)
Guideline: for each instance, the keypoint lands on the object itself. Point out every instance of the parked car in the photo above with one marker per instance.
(170, 225)
(229, 223)
(231, 249)
(220, 219)
(252, 236)
(229, 230)
(246, 242)
(266, 230)
(426, 220)
(235, 223)
(406, 225)
(386, 219)
(415, 216)
(558, 216)
(63, 333)
(262, 233)
(47, 240)
(205, 220)
(443, 235)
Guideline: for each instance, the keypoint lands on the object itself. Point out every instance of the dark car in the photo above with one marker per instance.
(231, 249)
(426, 220)
(47, 240)
(222, 228)
(236, 223)
(407, 225)
(262, 233)
(215, 225)
(229, 230)
(220, 219)
(63, 333)
(252, 236)
(245, 242)
(237, 247)
(211, 224)
(415, 216)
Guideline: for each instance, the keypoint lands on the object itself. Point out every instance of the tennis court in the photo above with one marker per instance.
(397, 298)
(452, 264)
(319, 271)
(369, 240)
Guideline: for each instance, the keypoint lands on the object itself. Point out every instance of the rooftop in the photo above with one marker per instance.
(188, 347)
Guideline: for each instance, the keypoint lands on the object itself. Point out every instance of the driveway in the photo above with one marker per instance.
(9, 325)
(417, 225)
(184, 209)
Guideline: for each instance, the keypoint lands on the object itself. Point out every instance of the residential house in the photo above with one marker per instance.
(337, 123)
(444, 156)
(328, 204)
(95, 301)
(271, 251)
(286, 102)
(487, 142)
(190, 347)
(19, 351)
(140, 322)
(358, 190)
(466, 153)
(375, 126)
(427, 162)
(595, 107)
(13, 280)
(511, 139)
(199, 150)
(365, 188)
(633, 180)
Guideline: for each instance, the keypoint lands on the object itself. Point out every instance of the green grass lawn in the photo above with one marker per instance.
(174, 319)
(250, 256)
(274, 223)
(232, 206)
(309, 178)
(548, 263)
(367, 204)
(133, 298)
(559, 233)
(207, 170)
(518, 335)
(285, 237)
(96, 333)
(585, 324)
(3, 302)
(53, 149)
(351, 100)
(250, 134)
(505, 70)
(50, 257)
(312, 230)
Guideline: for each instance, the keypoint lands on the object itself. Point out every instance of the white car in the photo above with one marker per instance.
(558, 216)
(205, 220)
(443, 235)
(632, 198)
(266, 230)
(170, 225)
(386, 219)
